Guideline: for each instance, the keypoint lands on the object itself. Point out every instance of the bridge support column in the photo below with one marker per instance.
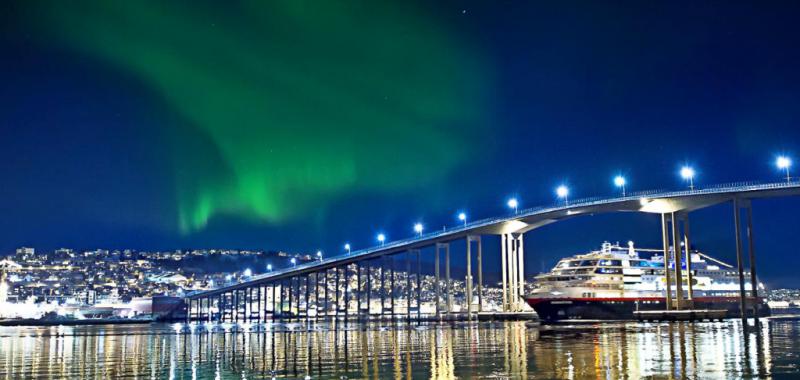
(448, 289)
(316, 295)
(512, 273)
(480, 274)
(752, 253)
(392, 285)
(665, 241)
(308, 301)
(468, 279)
(740, 261)
(383, 284)
(504, 269)
(369, 288)
(281, 291)
(274, 290)
(336, 299)
(326, 293)
(419, 285)
(219, 308)
(470, 296)
(676, 249)
(512, 256)
(688, 250)
(359, 305)
(520, 272)
(408, 285)
(437, 275)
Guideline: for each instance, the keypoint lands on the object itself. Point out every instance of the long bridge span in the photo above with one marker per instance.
(345, 286)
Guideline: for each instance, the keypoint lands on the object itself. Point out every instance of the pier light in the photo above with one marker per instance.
(381, 238)
(687, 173)
(347, 248)
(619, 181)
(269, 267)
(418, 228)
(784, 163)
(463, 217)
(293, 261)
(563, 193)
(513, 203)
(248, 272)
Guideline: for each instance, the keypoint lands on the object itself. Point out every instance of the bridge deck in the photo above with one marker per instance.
(528, 219)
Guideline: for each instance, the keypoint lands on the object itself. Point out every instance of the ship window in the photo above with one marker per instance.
(610, 263)
(609, 270)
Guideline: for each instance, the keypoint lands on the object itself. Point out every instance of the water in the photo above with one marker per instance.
(514, 350)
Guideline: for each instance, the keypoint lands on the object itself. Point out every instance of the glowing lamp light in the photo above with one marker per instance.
(293, 261)
(687, 173)
(319, 254)
(381, 238)
(269, 267)
(784, 163)
(513, 203)
(418, 228)
(248, 272)
(463, 217)
(563, 192)
(347, 248)
(619, 181)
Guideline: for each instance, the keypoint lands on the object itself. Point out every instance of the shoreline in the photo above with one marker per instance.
(76, 322)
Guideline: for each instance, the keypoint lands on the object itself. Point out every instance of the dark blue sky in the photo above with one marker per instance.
(570, 93)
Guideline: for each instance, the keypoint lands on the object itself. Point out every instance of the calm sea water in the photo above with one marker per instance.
(515, 350)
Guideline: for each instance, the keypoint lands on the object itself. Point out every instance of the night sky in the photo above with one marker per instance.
(299, 125)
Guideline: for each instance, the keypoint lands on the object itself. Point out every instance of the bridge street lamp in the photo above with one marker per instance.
(619, 181)
(418, 229)
(463, 217)
(347, 248)
(687, 173)
(513, 203)
(563, 193)
(293, 261)
(319, 255)
(381, 238)
(269, 267)
(784, 163)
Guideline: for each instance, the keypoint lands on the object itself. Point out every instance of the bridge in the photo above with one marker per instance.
(343, 287)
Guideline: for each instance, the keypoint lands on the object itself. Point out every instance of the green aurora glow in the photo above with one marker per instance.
(301, 100)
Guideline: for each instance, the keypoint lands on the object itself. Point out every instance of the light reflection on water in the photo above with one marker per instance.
(439, 351)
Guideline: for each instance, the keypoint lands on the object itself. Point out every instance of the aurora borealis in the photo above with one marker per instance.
(301, 125)
(300, 102)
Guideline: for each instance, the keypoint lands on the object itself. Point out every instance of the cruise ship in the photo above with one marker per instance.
(613, 282)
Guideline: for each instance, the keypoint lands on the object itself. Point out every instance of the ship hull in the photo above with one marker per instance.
(560, 309)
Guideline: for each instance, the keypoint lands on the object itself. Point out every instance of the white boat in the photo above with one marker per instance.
(615, 281)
